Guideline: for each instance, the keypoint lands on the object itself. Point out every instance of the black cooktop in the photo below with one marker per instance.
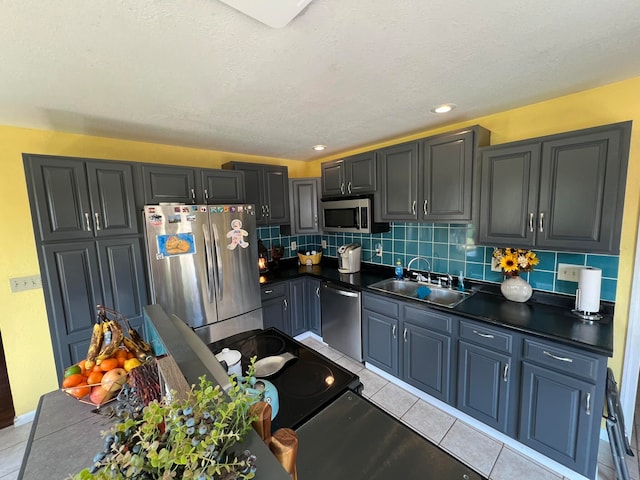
(305, 385)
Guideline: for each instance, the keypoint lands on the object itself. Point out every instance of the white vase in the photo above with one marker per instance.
(516, 289)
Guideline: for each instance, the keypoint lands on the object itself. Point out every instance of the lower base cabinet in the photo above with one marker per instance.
(381, 342)
(275, 307)
(312, 297)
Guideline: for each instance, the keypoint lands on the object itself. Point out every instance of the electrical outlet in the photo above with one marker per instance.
(323, 243)
(294, 246)
(379, 249)
(568, 272)
(20, 284)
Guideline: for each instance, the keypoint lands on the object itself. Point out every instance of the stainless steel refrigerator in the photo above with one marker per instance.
(203, 265)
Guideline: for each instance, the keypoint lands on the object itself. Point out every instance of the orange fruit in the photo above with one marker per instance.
(81, 365)
(94, 378)
(81, 390)
(130, 355)
(72, 380)
(109, 364)
(121, 352)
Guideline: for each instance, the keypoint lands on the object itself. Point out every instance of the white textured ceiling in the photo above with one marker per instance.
(343, 73)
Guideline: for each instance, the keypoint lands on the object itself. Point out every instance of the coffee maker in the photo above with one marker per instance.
(349, 258)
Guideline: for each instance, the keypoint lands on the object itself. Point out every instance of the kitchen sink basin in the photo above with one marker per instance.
(445, 297)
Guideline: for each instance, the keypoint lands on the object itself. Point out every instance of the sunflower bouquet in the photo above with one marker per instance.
(512, 261)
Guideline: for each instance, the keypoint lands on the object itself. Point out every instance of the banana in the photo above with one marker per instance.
(136, 338)
(137, 351)
(94, 345)
(108, 349)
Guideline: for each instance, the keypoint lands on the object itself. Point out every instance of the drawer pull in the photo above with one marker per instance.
(588, 404)
(555, 357)
(531, 222)
(413, 208)
(286, 304)
(404, 335)
(483, 335)
(193, 195)
(97, 215)
(87, 221)
(393, 331)
(318, 292)
(505, 372)
(267, 292)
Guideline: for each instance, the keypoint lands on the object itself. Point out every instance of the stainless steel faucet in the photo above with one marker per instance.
(420, 277)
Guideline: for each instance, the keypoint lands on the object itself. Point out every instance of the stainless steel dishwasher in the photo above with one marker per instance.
(341, 319)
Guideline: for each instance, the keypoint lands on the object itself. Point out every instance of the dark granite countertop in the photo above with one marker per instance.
(545, 315)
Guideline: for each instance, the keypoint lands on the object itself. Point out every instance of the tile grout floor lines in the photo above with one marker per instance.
(486, 455)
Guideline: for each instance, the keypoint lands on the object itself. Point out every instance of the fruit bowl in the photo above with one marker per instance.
(309, 259)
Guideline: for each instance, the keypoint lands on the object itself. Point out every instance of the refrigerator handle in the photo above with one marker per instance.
(217, 268)
(209, 261)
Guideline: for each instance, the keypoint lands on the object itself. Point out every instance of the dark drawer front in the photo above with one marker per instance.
(562, 359)
(381, 304)
(428, 318)
(486, 336)
(273, 291)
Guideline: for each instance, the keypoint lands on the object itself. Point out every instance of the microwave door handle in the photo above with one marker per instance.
(217, 269)
(358, 219)
(208, 258)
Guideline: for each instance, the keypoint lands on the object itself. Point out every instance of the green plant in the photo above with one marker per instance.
(172, 439)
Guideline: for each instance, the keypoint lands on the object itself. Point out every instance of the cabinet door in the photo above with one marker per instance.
(297, 306)
(579, 193)
(333, 178)
(427, 360)
(447, 171)
(60, 197)
(303, 194)
(398, 177)
(275, 313)
(73, 288)
(253, 188)
(381, 341)
(168, 184)
(483, 384)
(222, 186)
(276, 185)
(360, 173)
(313, 306)
(556, 416)
(509, 195)
(112, 198)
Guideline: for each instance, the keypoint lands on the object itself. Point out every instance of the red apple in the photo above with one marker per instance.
(100, 395)
(114, 379)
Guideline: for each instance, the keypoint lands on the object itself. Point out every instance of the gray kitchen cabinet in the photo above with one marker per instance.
(298, 306)
(430, 179)
(562, 402)
(561, 192)
(75, 198)
(380, 332)
(428, 362)
(78, 276)
(487, 381)
(303, 201)
(174, 184)
(221, 187)
(313, 305)
(354, 175)
(275, 306)
(267, 187)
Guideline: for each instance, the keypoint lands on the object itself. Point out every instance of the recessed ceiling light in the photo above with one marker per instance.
(319, 148)
(444, 108)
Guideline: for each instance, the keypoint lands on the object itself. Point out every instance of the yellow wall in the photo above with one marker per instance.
(23, 321)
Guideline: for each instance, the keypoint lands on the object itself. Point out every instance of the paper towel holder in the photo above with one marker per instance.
(584, 315)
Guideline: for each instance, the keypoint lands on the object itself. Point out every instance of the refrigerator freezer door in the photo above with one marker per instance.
(235, 260)
(178, 262)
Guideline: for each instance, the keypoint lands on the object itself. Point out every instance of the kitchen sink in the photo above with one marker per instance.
(445, 297)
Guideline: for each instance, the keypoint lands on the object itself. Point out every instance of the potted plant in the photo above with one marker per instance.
(194, 438)
(512, 261)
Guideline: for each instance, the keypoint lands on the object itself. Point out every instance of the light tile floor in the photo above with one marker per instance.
(480, 451)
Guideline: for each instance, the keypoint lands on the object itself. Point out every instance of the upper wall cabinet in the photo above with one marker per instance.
(429, 179)
(561, 192)
(355, 175)
(303, 201)
(167, 183)
(267, 187)
(77, 198)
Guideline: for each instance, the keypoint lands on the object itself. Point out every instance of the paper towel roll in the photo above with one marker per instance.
(588, 294)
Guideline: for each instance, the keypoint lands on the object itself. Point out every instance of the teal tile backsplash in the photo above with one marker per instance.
(449, 248)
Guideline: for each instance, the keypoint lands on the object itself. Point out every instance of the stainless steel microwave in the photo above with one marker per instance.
(350, 216)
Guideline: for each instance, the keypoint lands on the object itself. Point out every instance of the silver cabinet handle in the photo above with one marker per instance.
(555, 357)
(393, 331)
(206, 195)
(193, 195)
(424, 206)
(483, 335)
(318, 292)
(97, 215)
(541, 222)
(404, 335)
(342, 188)
(413, 208)
(87, 221)
(588, 404)
(266, 209)
(349, 187)
(531, 215)
(505, 372)
(267, 292)
(286, 304)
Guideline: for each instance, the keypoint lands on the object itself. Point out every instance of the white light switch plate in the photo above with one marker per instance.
(568, 272)
(324, 244)
(294, 246)
(20, 284)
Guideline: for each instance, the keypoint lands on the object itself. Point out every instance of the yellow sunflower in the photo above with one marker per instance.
(509, 263)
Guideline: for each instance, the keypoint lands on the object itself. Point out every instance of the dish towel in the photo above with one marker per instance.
(423, 292)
